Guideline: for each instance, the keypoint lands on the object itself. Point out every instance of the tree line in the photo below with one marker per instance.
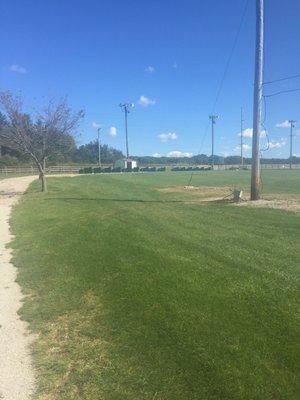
(48, 137)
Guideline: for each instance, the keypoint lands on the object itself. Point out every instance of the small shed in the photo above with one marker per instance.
(126, 163)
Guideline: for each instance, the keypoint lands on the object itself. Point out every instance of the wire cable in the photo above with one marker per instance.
(237, 35)
(281, 92)
(282, 79)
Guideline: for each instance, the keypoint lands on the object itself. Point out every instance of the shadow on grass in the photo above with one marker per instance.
(185, 201)
(113, 200)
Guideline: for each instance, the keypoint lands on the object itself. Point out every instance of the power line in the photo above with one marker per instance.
(230, 56)
(281, 92)
(282, 79)
(224, 74)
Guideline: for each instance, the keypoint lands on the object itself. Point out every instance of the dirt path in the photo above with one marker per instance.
(16, 371)
(17, 377)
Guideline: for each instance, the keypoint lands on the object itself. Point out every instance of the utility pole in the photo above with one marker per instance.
(257, 104)
(126, 108)
(292, 126)
(99, 148)
(213, 119)
(242, 137)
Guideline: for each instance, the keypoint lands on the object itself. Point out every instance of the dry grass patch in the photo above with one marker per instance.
(291, 203)
(206, 192)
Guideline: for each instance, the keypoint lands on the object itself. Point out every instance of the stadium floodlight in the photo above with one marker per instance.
(126, 108)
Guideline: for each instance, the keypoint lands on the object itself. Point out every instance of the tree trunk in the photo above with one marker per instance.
(44, 182)
(42, 177)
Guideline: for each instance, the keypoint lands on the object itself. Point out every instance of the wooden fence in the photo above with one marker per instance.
(73, 169)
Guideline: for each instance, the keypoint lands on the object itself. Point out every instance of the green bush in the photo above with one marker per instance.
(117, 169)
(97, 170)
(107, 169)
(88, 170)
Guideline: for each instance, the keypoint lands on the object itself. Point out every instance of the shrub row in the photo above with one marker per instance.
(190, 169)
(98, 170)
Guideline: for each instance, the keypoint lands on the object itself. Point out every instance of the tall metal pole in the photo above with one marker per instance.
(126, 108)
(213, 119)
(257, 104)
(126, 131)
(99, 148)
(292, 125)
(242, 137)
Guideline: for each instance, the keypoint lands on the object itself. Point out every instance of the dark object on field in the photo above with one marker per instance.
(97, 170)
(237, 195)
(107, 169)
(178, 169)
(148, 169)
(135, 169)
(117, 169)
(207, 168)
(161, 169)
(86, 170)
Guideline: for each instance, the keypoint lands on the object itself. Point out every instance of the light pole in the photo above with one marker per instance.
(126, 108)
(213, 119)
(292, 126)
(242, 144)
(99, 147)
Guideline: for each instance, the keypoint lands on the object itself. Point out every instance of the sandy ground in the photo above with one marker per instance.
(16, 371)
(206, 194)
(17, 378)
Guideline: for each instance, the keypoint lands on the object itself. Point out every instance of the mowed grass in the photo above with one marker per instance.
(136, 294)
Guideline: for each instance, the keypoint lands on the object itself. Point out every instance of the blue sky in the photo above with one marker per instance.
(167, 57)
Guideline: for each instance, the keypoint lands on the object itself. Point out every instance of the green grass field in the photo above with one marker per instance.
(137, 294)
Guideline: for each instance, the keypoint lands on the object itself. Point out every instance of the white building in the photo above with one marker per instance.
(125, 163)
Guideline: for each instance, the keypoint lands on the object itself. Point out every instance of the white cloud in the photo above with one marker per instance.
(18, 68)
(112, 131)
(284, 124)
(246, 147)
(277, 145)
(157, 155)
(248, 133)
(166, 137)
(95, 125)
(145, 101)
(150, 69)
(177, 153)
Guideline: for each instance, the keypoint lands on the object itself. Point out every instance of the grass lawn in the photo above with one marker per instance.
(136, 294)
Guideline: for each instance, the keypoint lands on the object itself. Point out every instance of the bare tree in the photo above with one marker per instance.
(48, 133)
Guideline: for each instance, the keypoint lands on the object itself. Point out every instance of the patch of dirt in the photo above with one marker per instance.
(208, 194)
(17, 376)
(203, 191)
(291, 204)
